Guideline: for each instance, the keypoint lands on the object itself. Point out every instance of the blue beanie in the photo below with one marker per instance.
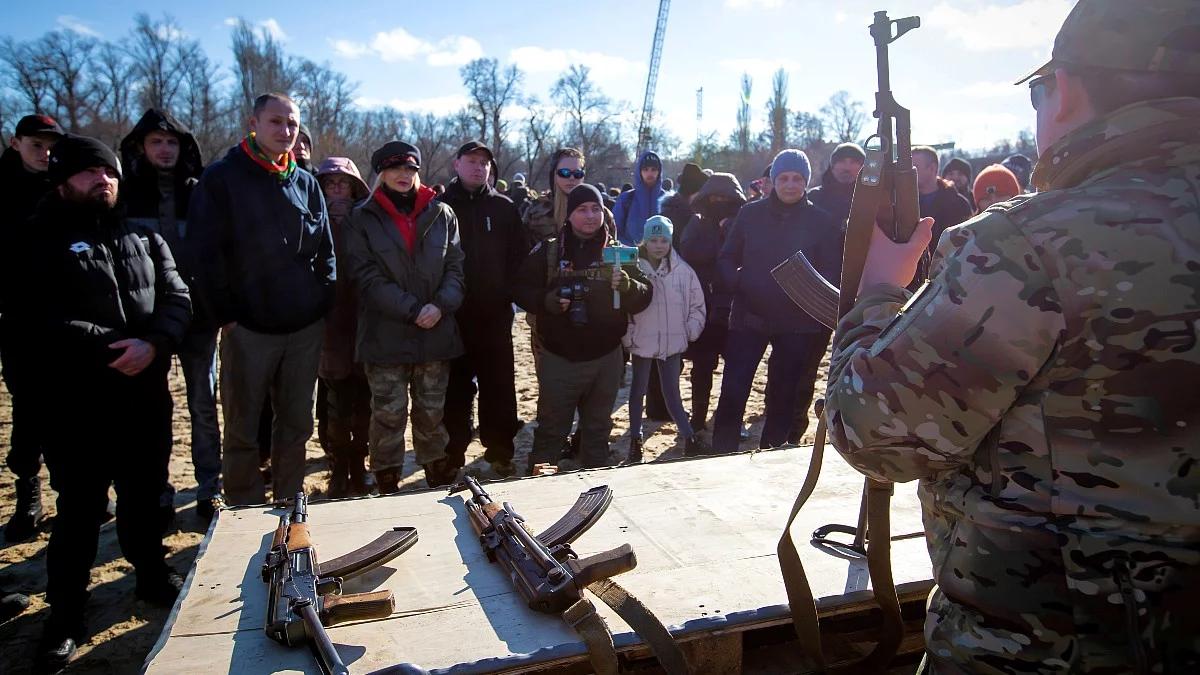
(791, 160)
(657, 226)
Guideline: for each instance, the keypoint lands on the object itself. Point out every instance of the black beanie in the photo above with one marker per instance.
(73, 154)
(692, 178)
(960, 164)
(846, 151)
(582, 194)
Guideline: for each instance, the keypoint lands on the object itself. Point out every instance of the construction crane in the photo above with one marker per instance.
(660, 31)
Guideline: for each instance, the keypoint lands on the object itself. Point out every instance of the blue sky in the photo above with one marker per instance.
(955, 72)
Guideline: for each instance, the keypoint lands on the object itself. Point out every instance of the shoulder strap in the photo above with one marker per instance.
(552, 252)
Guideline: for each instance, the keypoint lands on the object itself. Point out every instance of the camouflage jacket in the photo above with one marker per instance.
(1045, 389)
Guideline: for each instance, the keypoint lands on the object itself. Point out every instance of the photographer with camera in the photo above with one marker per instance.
(565, 283)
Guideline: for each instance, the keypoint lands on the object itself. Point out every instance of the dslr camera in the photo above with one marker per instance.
(575, 291)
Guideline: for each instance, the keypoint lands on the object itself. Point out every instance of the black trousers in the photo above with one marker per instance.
(806, 386)
(116, 430)
(25, 446)
(486, 368)
(344, 416)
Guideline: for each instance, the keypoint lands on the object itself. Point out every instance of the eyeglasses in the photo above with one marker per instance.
(1039, 87)
(568, 173)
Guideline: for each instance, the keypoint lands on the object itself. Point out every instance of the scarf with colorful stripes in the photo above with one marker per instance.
(281, 167)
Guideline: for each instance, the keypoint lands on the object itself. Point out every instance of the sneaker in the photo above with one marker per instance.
(744, 434)
(12, 604)
(160, 590)
(206, 509)
(503, 467)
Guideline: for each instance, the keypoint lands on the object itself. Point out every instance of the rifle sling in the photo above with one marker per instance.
(644, 623)
(583, 618)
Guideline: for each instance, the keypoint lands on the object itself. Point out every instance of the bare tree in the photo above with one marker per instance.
(64, 57)
(325, 97)
(844, 117)
(587, 109)
(201, 105)
(491, 89)
(24, 74)
(777, 111)
(259, 65)
(742, 135)
(156, 49)
(535, 138)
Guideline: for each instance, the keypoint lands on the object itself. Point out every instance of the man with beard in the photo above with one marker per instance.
(163, 163)
(495, 244)
(958, 171)
(23, 182)
(108, 311)
(267, 277)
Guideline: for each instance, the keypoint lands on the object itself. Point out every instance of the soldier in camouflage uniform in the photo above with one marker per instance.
(1045, 385)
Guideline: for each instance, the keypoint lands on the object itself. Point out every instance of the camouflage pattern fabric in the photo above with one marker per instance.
(539, 219)
(1045, 389)
(390, 387)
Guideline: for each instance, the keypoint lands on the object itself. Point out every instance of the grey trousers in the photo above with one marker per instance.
(566, 386)
(253, 365)
(668, 376)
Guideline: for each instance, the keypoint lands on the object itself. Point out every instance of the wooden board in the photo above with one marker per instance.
(704, 531)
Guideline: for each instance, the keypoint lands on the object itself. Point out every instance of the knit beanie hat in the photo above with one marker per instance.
(847, 151)
(582, 194)
(791, 160)
(73, 154)
(657, 226)
(691, 179)
(997, 183)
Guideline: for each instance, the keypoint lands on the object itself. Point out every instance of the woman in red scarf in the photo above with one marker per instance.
(402, 251)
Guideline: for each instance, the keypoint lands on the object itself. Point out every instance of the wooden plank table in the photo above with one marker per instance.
(704, 531)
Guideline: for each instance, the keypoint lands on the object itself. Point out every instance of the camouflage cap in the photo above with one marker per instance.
(1141, 35)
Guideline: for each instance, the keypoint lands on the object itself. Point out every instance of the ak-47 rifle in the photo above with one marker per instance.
(305, 595)
(885, 196)
(551, 577)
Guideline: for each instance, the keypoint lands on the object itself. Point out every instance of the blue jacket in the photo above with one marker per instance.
(264, 249)
(635, 207)
(764, 234)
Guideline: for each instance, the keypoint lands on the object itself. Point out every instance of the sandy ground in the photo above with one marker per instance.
(122, 630)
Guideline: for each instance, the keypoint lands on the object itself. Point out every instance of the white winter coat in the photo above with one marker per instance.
(675, 316)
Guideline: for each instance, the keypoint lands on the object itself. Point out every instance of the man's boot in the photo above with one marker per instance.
(29, 513)
(440, 473)
(358, 481)
(635, 450)
(60, 640)
(388, 481)
(12, 604)
(339, 478)
(160, 588)
(695, 448)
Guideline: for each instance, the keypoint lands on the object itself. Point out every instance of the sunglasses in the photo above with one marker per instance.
(568, 173)
(1038, 88)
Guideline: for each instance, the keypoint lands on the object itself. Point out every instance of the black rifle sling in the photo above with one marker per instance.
(583, 618)
(872, 187)
(644, 623)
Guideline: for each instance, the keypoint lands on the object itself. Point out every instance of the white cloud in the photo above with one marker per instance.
(1026, 24)
(76, 25)
(266, 27)
(839, 17)
(400, 45)
(605, 68)
(754, 4)
(438, 105)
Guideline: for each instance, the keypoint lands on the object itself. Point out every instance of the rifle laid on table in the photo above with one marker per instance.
(305, 596)
(551, 577)
(885, 196)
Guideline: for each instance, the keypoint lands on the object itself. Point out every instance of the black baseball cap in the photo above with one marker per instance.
(31, 125)
(474, 146)
(395, 153)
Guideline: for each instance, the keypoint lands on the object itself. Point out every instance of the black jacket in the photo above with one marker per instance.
(494, 241)
(704, 237)
(393, 284)
(263, 246)
(539, 276)
(764, 234)
(947, 208)
(20, 190)
(99, 279)
(833, 197)
(679, 209)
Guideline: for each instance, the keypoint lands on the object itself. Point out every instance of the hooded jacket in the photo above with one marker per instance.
(947, 208)
(704, 238)
(494, 243)
(264, 248)
(675, 316)
(395, 283)
(764, 234)
(337, 349)
(833, 196)
(539, 276)
(633, 208)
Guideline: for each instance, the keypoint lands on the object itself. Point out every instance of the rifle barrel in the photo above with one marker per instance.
(327, 656)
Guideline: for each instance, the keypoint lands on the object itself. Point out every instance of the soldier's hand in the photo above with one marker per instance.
(429, 316)
(895, 264)
(136, 355)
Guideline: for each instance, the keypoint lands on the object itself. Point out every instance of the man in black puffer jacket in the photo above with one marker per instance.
(266, 274)
(495, 244)
(108, 310)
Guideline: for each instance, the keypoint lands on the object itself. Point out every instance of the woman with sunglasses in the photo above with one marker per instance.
(545, 216)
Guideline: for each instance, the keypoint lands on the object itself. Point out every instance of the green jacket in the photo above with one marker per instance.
(1045, 390)
(394, 285)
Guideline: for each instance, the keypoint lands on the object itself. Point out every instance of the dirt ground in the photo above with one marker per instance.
(123, 630)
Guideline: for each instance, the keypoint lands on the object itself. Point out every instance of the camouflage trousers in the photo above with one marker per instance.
(391, 386)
